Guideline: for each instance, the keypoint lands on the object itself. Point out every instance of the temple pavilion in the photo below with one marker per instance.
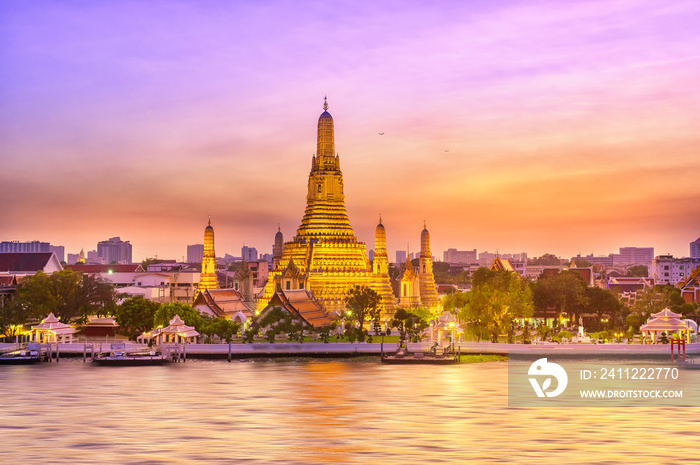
(51, 329)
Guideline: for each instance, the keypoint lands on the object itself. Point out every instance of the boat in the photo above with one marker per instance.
(118, 356)
(402, 356)
(21, 355)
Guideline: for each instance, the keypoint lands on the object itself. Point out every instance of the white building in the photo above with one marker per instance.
(668, 270)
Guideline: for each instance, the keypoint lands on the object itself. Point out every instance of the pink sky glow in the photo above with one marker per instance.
(537, 126)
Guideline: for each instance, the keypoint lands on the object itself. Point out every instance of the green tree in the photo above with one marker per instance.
(12, 316)
(410, 324)
(441, 271)
(482, 275)
(363, 303)
(455, 302)
(497, 298)
(279, 321)
(638, 271)
(135, 316)
(224, 328)
(582, 262)
(463, 277)
(189, 315)
(604, 304)
(547, 259)
(149, 261)
(67, 294)
(648, 301)
(565, 292)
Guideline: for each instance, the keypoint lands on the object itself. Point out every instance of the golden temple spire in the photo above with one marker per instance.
(380, 218)
(207, 279)
(325, 139)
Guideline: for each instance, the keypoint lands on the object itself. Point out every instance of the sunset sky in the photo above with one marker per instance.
(537, 126)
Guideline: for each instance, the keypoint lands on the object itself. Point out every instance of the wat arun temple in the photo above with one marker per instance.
(326, 258)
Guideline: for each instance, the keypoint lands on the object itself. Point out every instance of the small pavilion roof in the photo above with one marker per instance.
(51, 324)
(666, 313)
(663, 324)
(177, 326)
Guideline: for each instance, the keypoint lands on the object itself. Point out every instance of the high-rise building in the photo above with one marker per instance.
(634, 256)
(695, 249)
(268, 257)
(114, 250)
(324, 256)
(207, 279)
(94, 258)
(60, 252)
(400, 257)
(486, 258)
(21, 247)
(194, 253)
(249, 254)
(459, 257)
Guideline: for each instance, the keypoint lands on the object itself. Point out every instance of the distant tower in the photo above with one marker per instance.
(428, 290)
(208, 278)
(380, 268)
(81, 257)
(278, 248)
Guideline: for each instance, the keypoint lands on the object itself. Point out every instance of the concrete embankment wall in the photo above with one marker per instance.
(346, 349)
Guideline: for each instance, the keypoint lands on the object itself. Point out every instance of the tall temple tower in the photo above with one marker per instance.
(324, 256)
(426, 280)
(380, 270)
(208, 278)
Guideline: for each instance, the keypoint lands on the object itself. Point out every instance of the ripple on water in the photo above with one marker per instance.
(313, 412)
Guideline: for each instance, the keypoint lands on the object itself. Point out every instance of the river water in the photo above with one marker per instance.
(314, 412)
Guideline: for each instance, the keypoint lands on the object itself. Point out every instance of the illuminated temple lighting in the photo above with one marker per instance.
(325, 256)
(208, 279)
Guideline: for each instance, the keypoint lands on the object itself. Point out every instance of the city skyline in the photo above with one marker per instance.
(522, 127)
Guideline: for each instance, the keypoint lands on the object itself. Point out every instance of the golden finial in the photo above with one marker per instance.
(424, 225)
(209, 220)
(325, 103)
(279, 227)
(380, 218)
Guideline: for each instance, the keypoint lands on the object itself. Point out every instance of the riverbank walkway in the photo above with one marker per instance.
(347, 349)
